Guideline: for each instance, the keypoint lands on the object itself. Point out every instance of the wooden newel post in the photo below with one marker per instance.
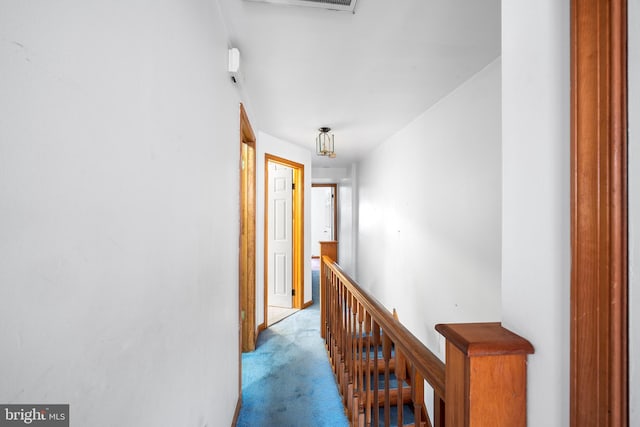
(485, 375)
(330, 249)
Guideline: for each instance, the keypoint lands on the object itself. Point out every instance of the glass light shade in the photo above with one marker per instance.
(324, 143)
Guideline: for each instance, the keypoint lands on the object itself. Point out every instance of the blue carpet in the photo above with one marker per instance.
(288, 380)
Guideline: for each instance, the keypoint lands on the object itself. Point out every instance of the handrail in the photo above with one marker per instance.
(426, 362)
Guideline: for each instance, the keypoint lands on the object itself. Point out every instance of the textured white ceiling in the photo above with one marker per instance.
(365, 75)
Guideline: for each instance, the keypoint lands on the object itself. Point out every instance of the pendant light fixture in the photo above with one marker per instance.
(324, 143)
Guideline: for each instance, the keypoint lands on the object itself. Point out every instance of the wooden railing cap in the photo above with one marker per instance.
(484, 339)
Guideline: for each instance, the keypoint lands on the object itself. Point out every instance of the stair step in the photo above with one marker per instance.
(393, 381)
(380, 361)
(393, 390)
(407, 417)
(381, 367)
(393, 396)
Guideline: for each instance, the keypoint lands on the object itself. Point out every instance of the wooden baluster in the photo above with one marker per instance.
(332, 321)
(354, 356)
(354, 342)
(323, 299)
(418, 398)
(337, 329)
(438, 410)
(328, 303)
(349, 358)
(400, 371)
(362, 394)
(345, 345)
(345, 328)
(340, 328)
(386, 355)
(369, 394)
(376, 385)
(335, 323)
(328, 288)
(327, 306)
(339, 332)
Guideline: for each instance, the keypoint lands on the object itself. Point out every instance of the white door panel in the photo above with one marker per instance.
(280, 244)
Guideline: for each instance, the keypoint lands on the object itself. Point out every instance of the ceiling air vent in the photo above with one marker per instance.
(346, 5)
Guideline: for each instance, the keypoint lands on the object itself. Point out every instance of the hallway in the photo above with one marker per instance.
(287, 380)
(456, 147)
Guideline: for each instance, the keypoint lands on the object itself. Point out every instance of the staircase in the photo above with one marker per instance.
(381, 383)
(381, 367)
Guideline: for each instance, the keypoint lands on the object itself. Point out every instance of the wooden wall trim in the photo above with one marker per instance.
(298, 229)
(246, 131)
(236, 413)
(599, 282)
(247, 234)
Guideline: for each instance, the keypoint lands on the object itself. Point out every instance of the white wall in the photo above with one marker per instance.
(634, 207)
(536, 211)
(118, 211)
(429, 213)
(325, 175)
(348, 221)
(268, 144)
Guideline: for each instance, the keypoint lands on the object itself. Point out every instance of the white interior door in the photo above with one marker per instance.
(280, 246)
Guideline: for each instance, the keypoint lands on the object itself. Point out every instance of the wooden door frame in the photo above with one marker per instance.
(599, 235)
(247, 252)
(298, 232)
(335, 207)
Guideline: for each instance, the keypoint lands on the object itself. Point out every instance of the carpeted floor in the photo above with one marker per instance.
(288, 381)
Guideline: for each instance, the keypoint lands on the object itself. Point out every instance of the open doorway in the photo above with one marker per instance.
(324, 222)
(284, 229)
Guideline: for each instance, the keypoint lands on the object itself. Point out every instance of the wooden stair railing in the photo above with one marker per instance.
(381, 367)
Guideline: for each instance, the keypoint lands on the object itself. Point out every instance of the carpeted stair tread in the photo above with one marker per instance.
(393, 390)
(393, 381)
(407, 414)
